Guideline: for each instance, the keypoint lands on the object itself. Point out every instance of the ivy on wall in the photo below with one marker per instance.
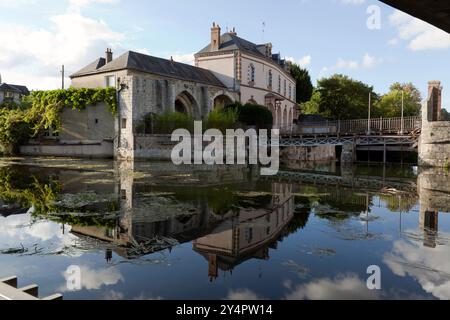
(41, 110)
(46, 106)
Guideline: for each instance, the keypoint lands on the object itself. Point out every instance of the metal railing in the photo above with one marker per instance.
(357, 126)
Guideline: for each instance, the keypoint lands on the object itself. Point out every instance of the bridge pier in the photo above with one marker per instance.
(434, 146)
(348, 153)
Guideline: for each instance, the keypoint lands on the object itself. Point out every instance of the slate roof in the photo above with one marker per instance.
(149, 64)
(231, 42)
(14, 88)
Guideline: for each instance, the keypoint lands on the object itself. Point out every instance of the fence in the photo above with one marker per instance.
(358, 126)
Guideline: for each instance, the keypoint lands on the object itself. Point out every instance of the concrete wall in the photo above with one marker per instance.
(97, 150)
(95, 123)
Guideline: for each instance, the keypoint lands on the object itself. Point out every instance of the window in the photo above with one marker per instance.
(270, 79)
(110, 81)
(96, 121)
(251, 73)
(290, 92)
(279, 84)
(249, 235)
(284, 87)
(124, 123)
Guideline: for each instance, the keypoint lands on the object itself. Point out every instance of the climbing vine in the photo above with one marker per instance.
(46, 106)
(41, 110)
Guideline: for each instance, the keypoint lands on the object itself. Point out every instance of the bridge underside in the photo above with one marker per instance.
(435, 12)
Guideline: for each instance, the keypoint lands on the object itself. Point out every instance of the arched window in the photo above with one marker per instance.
(251, 73)
(270, 79)
(279, 84)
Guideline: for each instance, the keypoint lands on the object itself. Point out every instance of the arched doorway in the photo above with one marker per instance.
(185, 103)
(222, 101)
(285, 117)
(279, 117)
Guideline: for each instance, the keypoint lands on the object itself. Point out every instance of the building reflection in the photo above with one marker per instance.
(249, 234)
(434, 192)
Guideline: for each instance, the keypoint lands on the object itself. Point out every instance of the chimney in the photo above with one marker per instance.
(233, 32)
(215, 37)
(109, 55)
(268, 50)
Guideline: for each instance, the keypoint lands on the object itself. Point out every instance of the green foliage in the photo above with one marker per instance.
(313, 105)
(222, 119)
(41, 110)
(46, 106)
(304, 85)
(390, 104)
(14, 130)
(445, 115)
(344, 98)
(253, 115)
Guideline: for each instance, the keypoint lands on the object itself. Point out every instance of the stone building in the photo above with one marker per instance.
(149, 85)
(253, 71)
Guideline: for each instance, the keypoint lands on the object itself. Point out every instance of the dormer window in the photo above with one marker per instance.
(251, 74)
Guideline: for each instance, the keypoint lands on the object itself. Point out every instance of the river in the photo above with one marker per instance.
(157, 231)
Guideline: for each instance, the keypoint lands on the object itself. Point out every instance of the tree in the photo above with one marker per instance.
(344, 98)
(390, 104)
(445, 115)
(312, 106)
(304, 84)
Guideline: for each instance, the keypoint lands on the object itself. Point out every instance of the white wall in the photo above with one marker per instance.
(222, 66)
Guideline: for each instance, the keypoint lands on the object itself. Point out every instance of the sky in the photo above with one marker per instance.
(363, 39)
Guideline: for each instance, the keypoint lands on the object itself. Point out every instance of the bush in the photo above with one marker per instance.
(222, 119)
(253, 115)
(14, 130)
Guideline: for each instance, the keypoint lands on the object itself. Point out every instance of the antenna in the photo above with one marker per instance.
(263, 30)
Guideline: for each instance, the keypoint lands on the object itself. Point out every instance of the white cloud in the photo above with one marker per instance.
(187, 58)
(242, 294)
(343, 287)
(369, 61)
(346, 64)
(353, 2)
(94, 279)
(302, 62)
(33, 56)
(429, 266)
(84, 3)
(419, 34)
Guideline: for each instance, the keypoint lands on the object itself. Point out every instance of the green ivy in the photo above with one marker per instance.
(41, 110)
(46, 106)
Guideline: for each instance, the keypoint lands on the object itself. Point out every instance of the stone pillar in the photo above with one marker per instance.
(434, 145)
(348, 153)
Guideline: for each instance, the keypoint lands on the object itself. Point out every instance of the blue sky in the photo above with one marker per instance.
(325, 36)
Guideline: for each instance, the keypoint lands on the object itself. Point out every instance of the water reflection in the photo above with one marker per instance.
(310, 235)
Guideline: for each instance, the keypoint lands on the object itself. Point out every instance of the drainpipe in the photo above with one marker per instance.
(119, 135)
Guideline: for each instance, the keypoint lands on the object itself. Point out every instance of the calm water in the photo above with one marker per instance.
(154, 231)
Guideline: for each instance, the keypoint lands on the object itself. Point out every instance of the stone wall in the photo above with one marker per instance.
(434, 189)
(95, 150)
(434, 145)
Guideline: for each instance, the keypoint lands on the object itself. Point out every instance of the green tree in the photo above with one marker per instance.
(344, 98)
(304, 85)
(390, 104)
(312, 106)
